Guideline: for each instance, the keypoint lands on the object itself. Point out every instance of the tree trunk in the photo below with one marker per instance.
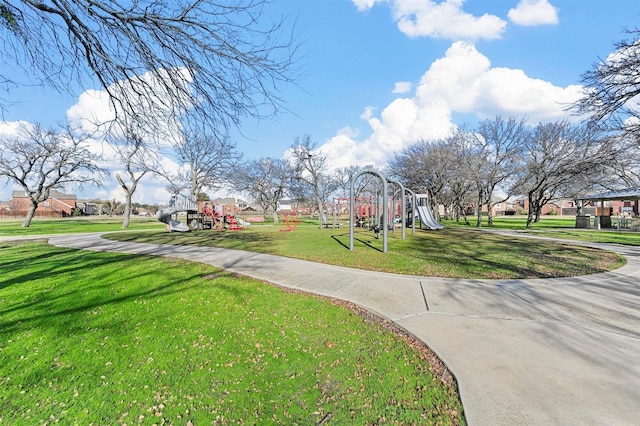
(321, 213)
(529, 219)
(533, 206)
(127, 211)
(479, 210)
(461, 211)
(274, 215)
(489, 213)
(434, 207)
(30, 213)
(538, 213)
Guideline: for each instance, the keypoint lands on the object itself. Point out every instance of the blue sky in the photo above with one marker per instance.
(378, 75)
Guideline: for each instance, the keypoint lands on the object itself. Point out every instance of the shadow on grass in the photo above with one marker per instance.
(500, 255)
(356, 237)
(206, 238)
(76, 283)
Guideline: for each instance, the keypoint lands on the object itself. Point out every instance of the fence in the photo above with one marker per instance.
(5, 214)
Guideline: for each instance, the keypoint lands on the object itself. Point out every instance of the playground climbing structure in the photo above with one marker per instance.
(199, 215)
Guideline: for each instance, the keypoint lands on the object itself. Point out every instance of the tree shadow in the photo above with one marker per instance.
(83, 292)
(365, 242)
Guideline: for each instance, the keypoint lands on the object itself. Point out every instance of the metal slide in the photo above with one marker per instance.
(242, 223)
(426, 217)
(177, 204)
(164, 216)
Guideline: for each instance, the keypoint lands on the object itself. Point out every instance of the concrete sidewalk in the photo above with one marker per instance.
(524, 352)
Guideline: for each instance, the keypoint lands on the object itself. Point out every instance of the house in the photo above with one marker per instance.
(231, 205)
(57, 205)
(89, 207)
(285, 206)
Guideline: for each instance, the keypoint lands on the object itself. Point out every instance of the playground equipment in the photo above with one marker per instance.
(177, 204)
(291, 222)
(352, 207)
(200, 215)
(385, 212)
(231, 223)
(210, 217)
(424, 212)
(365, 212)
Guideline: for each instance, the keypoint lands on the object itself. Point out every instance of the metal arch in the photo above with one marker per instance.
(352, 207)
(404, 207)
(413, 211)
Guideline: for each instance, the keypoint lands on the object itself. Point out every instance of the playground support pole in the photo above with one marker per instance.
(385, 198)
(351, 217)
(404, 207)
(351, 207)
(413, 211)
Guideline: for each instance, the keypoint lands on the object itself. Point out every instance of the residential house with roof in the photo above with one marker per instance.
(58, 204)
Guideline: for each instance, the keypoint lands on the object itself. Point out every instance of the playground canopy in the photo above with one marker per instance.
(604, 221)
(623, 195)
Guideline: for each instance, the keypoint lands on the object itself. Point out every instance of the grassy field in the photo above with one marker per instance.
(100, 338)
(103, 338)
(451, 252)
(12, 227)
(561, 228)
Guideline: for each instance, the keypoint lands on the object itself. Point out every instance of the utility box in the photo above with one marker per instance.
(605, 222)
(583, 221)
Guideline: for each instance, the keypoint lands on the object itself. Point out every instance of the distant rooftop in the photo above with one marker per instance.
(54, 193)
(625, 194)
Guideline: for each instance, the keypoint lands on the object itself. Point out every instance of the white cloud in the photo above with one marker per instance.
(91, 111)
(367, 113)
(504, 89)
(402, 87)
(363, 5)
(462, 81)
(94, 113)
(12, 129)
(445, 20)
(348, 131)
(534, 12)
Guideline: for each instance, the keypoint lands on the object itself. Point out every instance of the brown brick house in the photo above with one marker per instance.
(57, 205)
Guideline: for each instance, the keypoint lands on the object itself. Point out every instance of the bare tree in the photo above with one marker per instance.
(311, 173)
(625, 170)
(221, 60)
(40, 160)
(499, 146)
(561, 160)
(440, 168)
(209, 160)
(344, 175)
(413, 168)
(266, 180)
(611, 86)
(455, 160)
(137, 160)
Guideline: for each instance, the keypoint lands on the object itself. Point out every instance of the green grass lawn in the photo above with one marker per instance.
(12, 227)
(559, 227)
(450, 252)
(104, 338)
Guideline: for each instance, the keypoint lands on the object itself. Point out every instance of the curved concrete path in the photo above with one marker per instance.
(525, 352)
